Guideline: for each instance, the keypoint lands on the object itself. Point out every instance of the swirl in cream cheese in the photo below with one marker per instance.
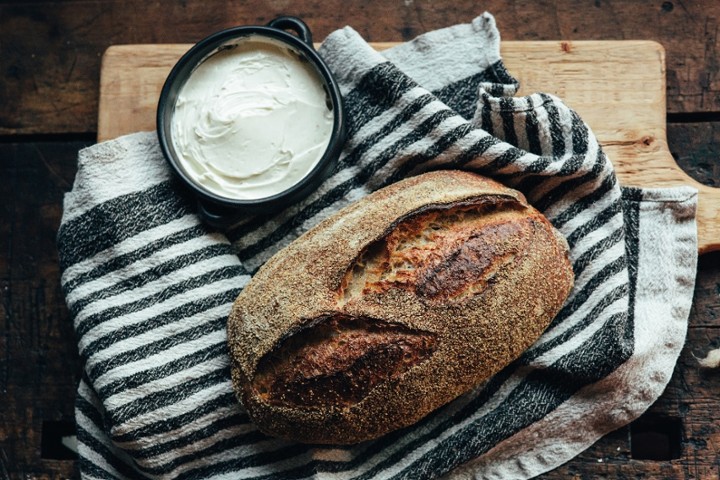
(252, 120)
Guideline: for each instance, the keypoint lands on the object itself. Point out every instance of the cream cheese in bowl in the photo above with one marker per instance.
(252, 120)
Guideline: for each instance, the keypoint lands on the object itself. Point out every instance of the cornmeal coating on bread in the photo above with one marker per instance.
(395, 306)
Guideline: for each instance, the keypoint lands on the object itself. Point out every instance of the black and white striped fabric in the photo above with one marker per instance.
(149, 287)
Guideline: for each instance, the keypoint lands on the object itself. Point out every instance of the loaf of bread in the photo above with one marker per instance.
(393, 307)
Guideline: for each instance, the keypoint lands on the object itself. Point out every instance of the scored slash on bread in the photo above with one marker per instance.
(393, 307)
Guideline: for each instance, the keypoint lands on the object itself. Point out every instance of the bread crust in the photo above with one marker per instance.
(481, 297)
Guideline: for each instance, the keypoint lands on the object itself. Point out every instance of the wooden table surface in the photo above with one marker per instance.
(49, 75)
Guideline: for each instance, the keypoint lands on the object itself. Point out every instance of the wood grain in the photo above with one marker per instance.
(691, 397)
(696, 148)
(39, 364)
(51, 50)
(592, 77)
(50, 59)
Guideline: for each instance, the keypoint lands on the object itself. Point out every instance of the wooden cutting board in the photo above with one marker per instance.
(617, 87)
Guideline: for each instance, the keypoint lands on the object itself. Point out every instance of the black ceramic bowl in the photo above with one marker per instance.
(219, 210)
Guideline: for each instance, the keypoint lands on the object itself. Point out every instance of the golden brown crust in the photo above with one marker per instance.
(451, 271)
(337, 360)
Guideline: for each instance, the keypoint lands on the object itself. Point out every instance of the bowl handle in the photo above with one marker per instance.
(294, 24)
(217, 217)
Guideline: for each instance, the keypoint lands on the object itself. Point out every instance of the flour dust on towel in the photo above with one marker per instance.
(149, 287)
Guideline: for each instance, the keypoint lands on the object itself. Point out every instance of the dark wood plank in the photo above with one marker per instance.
(691, 399)
(39, 366)
(51, 50)
(49, 64)
(696, 148)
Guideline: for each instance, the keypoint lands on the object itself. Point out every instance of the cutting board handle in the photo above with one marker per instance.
(708, 215)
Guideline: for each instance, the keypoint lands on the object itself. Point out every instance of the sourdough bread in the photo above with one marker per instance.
(393, 307)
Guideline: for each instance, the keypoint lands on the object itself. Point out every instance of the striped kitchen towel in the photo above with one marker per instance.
(149, 287)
